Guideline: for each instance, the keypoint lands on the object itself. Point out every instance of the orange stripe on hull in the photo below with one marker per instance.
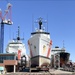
(30, 49)
(19, 54)
(49, 49)
(48, 52)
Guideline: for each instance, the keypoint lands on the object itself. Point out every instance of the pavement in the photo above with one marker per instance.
(60, 72)
(51, 72)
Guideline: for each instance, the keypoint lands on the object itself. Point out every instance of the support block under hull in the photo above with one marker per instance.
(39, 61)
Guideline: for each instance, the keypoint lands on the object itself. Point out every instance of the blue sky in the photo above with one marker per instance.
(60, 15)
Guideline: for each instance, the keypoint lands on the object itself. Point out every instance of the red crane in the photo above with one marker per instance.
(6, 19)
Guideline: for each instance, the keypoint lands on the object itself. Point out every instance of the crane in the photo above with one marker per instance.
(6, 19)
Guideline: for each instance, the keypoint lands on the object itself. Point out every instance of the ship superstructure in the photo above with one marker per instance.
(16, 46)
(40, 46)
(59, 57)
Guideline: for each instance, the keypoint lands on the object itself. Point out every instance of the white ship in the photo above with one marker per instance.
(16, 45)
(40, 47)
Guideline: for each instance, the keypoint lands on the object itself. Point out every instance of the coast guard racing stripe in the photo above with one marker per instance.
(49, 49)
(30, 49)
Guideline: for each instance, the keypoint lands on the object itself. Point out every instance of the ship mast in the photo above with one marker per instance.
(18, 34)
(18, 38)
(40, 28)
(40, 23)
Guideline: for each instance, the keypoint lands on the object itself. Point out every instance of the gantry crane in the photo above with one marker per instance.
(6, 19)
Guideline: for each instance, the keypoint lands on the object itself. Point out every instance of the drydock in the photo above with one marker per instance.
(43, 60)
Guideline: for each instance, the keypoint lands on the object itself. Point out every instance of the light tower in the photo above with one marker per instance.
(6, 19)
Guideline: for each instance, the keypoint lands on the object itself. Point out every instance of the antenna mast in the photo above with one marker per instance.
(18, 35)
(47, 23)
(40, 22)
(32, 22)
(63, 44)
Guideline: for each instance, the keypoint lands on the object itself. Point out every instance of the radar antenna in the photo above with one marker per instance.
(40, 22)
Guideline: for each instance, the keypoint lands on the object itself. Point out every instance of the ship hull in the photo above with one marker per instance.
(64, 58)
(60, 59)
(40, 47)
(39, 61)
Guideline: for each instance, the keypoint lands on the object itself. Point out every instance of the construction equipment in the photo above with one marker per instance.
(6, 19)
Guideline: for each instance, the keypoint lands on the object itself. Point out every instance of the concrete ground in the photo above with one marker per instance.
(51, 72)
(60, 72)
